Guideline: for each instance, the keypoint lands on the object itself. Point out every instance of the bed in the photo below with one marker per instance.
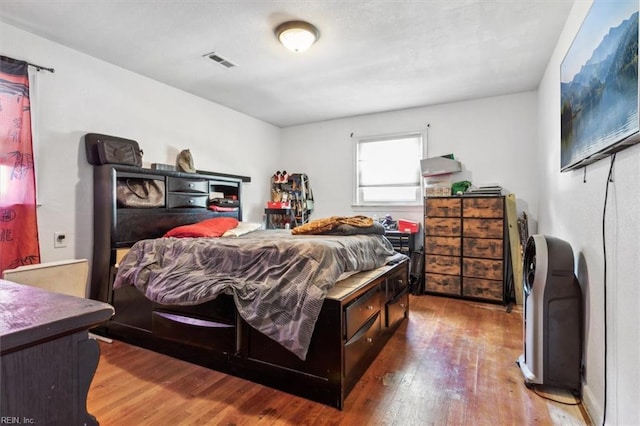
(306, 314)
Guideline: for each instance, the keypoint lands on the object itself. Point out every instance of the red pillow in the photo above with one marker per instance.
(214, 227)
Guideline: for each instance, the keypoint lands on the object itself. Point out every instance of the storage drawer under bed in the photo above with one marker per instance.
(396, 309)
(210, 325)
(360, 310)
(358, 348)
(194, 331)
(396, 284)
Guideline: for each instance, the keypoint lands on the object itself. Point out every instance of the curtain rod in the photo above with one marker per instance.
(40, 67)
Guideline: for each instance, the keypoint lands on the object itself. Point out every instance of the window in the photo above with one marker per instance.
(388, 170)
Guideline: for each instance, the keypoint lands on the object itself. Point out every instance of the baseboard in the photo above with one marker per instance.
(591, 405)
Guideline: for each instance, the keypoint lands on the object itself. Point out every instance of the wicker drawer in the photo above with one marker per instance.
(483, 228)
(188, 185)
(443, 227)
(360, 310)
(483, 268)
(442, 245)
(484, 289)
(446, 284)
(442, 264)
(482, 247)
(443, 207)
(483, 207)
(187, 200)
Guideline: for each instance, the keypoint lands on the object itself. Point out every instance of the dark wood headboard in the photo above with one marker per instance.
(186, 200)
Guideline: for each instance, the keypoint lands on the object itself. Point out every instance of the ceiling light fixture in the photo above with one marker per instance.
(297, 36)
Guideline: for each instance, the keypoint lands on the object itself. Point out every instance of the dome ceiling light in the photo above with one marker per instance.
(297, 36)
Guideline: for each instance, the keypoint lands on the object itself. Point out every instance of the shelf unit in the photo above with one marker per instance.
(403, 242)
(297, 192)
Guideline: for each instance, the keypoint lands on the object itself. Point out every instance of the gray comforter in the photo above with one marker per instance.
(278, 281)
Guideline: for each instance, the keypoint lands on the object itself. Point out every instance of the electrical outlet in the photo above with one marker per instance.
(59, 239)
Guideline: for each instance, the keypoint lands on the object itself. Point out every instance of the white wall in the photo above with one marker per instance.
(87, 95)
(494, 138)
(572, 209)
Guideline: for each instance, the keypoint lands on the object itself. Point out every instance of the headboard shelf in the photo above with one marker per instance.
(175, 173)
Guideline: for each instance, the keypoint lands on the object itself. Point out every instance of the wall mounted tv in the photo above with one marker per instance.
(599, 85)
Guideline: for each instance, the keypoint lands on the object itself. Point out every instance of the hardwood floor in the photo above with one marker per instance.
(451, 363)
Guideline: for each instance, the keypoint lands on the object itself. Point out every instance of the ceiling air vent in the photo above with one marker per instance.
(219, 59)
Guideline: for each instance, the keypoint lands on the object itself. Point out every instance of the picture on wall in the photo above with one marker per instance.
(599, 85)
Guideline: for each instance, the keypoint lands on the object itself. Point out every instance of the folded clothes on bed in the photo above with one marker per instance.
(340, 225)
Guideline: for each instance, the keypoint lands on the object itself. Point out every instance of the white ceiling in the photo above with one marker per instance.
(372, 56)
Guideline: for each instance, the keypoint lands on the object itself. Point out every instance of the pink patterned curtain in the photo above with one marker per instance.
(18, 223)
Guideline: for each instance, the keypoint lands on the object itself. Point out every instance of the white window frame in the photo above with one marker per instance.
(395, 157)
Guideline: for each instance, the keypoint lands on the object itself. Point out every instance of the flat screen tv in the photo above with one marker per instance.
(599, 85)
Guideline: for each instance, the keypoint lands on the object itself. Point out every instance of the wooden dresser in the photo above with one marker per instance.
(46, 355)
(466, 246)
